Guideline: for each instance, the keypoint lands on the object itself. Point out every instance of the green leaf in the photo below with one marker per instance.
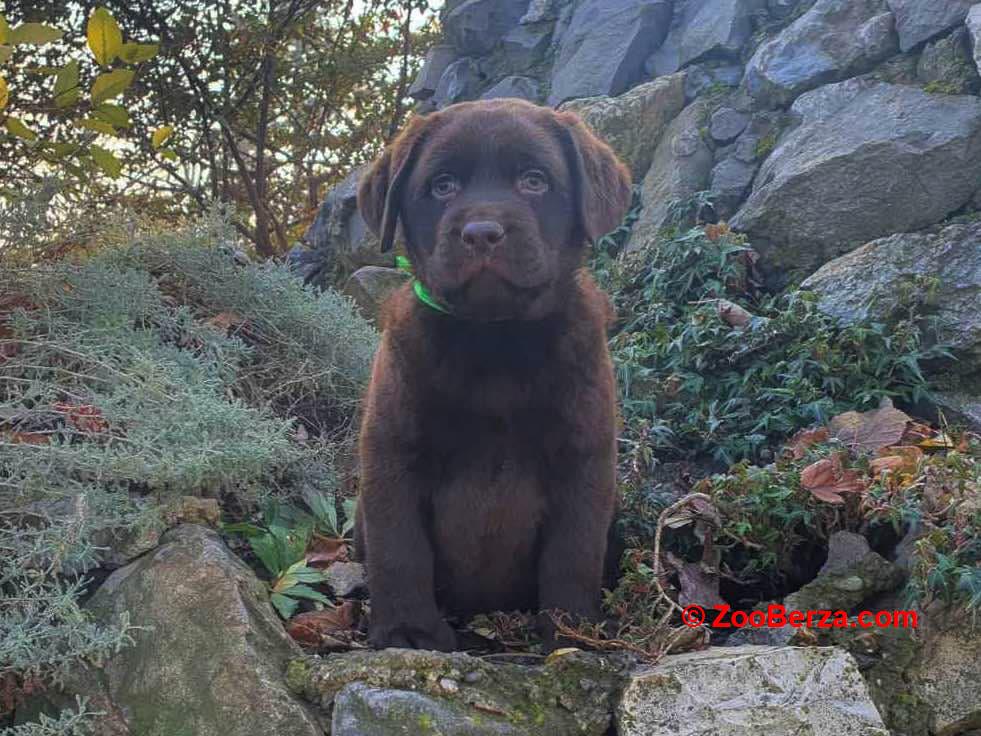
(4, 30)
(115, 115)
(110, 84)
(267, 550)
(5, 52)
(62, 150)
(170, 155)
(134, 53)
(305, 591)
(160, 135)
(244, 528)
(16, 128)
(323, 509)
(4, 93)
(285, 606)
(98, 126)
(37, 34)
(66, 88)
(106, 161)
(350, 507)
(105, 38)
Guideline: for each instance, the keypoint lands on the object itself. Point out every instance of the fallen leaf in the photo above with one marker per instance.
(916, 432)
(697, 583)
(331, 628)
(25, 438)
(805, 439)
(226, 321)
(83, 417)
(324, 551)
(716, 231)
(732, 314)
(827, 479)
(940, 442)
(871, 430)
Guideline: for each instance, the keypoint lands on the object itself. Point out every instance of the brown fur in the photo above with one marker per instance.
(487, 447)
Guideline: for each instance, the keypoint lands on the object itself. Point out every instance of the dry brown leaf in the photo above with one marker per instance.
(732, 314)
(716, 231)
(226, 321)
(826, 479)
(324, 551)
(332, 628)
(805, 439)
(871, 430)
(25, 438)
(917, 432)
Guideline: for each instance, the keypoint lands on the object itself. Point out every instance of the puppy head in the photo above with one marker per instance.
(496, 200)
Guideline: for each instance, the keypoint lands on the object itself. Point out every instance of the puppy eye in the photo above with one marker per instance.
(533, 181)
(445, 185)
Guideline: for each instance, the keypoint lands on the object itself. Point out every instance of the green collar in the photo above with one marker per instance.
(422, 293)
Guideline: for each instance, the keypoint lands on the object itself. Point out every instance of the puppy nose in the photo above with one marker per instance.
(483, 234)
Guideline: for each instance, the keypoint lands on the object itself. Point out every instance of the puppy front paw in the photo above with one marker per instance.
(437, 635)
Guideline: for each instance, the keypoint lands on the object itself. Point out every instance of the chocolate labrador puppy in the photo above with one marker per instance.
(488, 445)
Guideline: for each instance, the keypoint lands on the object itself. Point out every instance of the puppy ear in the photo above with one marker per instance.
(380, 190)
(601, 183)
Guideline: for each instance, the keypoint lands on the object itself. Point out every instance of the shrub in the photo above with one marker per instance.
(153, 370)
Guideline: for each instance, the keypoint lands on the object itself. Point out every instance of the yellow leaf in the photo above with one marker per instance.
(106, 161)
(160, 135)
(5, 52)
(37, 34)
(4, 93)
(66, 89)
(134, 53)
(99, 126)
(16, 128)
(105, 38)
(4, 30)
(941, 441)
(110, 84)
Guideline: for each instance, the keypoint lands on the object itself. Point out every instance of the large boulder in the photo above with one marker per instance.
(603, 49)
(382, 693)
(946, 65)
(717, 29)
(973, 23)
(878, 279)
(868, 159)
(918, 21)
(524, 88)
(339, 237)
(458, 83)
(681, 167)
(475, 26)
(634, 122)
(209, 657)
(834, 40)
(750, 691)
(437, 59)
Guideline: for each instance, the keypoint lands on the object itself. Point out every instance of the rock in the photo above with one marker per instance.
(474, 27)
(867, 160)
(681, 167)
(524, 46)
(751, 690)
(210, 656)
(960, 408)
(524, 87)
(918, 21)
(946, 66)
(845, 551)
(726, 124)
(339, 237)
(437, 59)
(602, 52)
(731, 181)
(456, 693)
(539, 11)
(458, 83)
(847, 584)
(347, 579)
(700, 79)
(705, 28)
(973, 22)
(833, 40)
(876, 280)
(782, 8)
(360, 710)
(370, 286)
(634, 122)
